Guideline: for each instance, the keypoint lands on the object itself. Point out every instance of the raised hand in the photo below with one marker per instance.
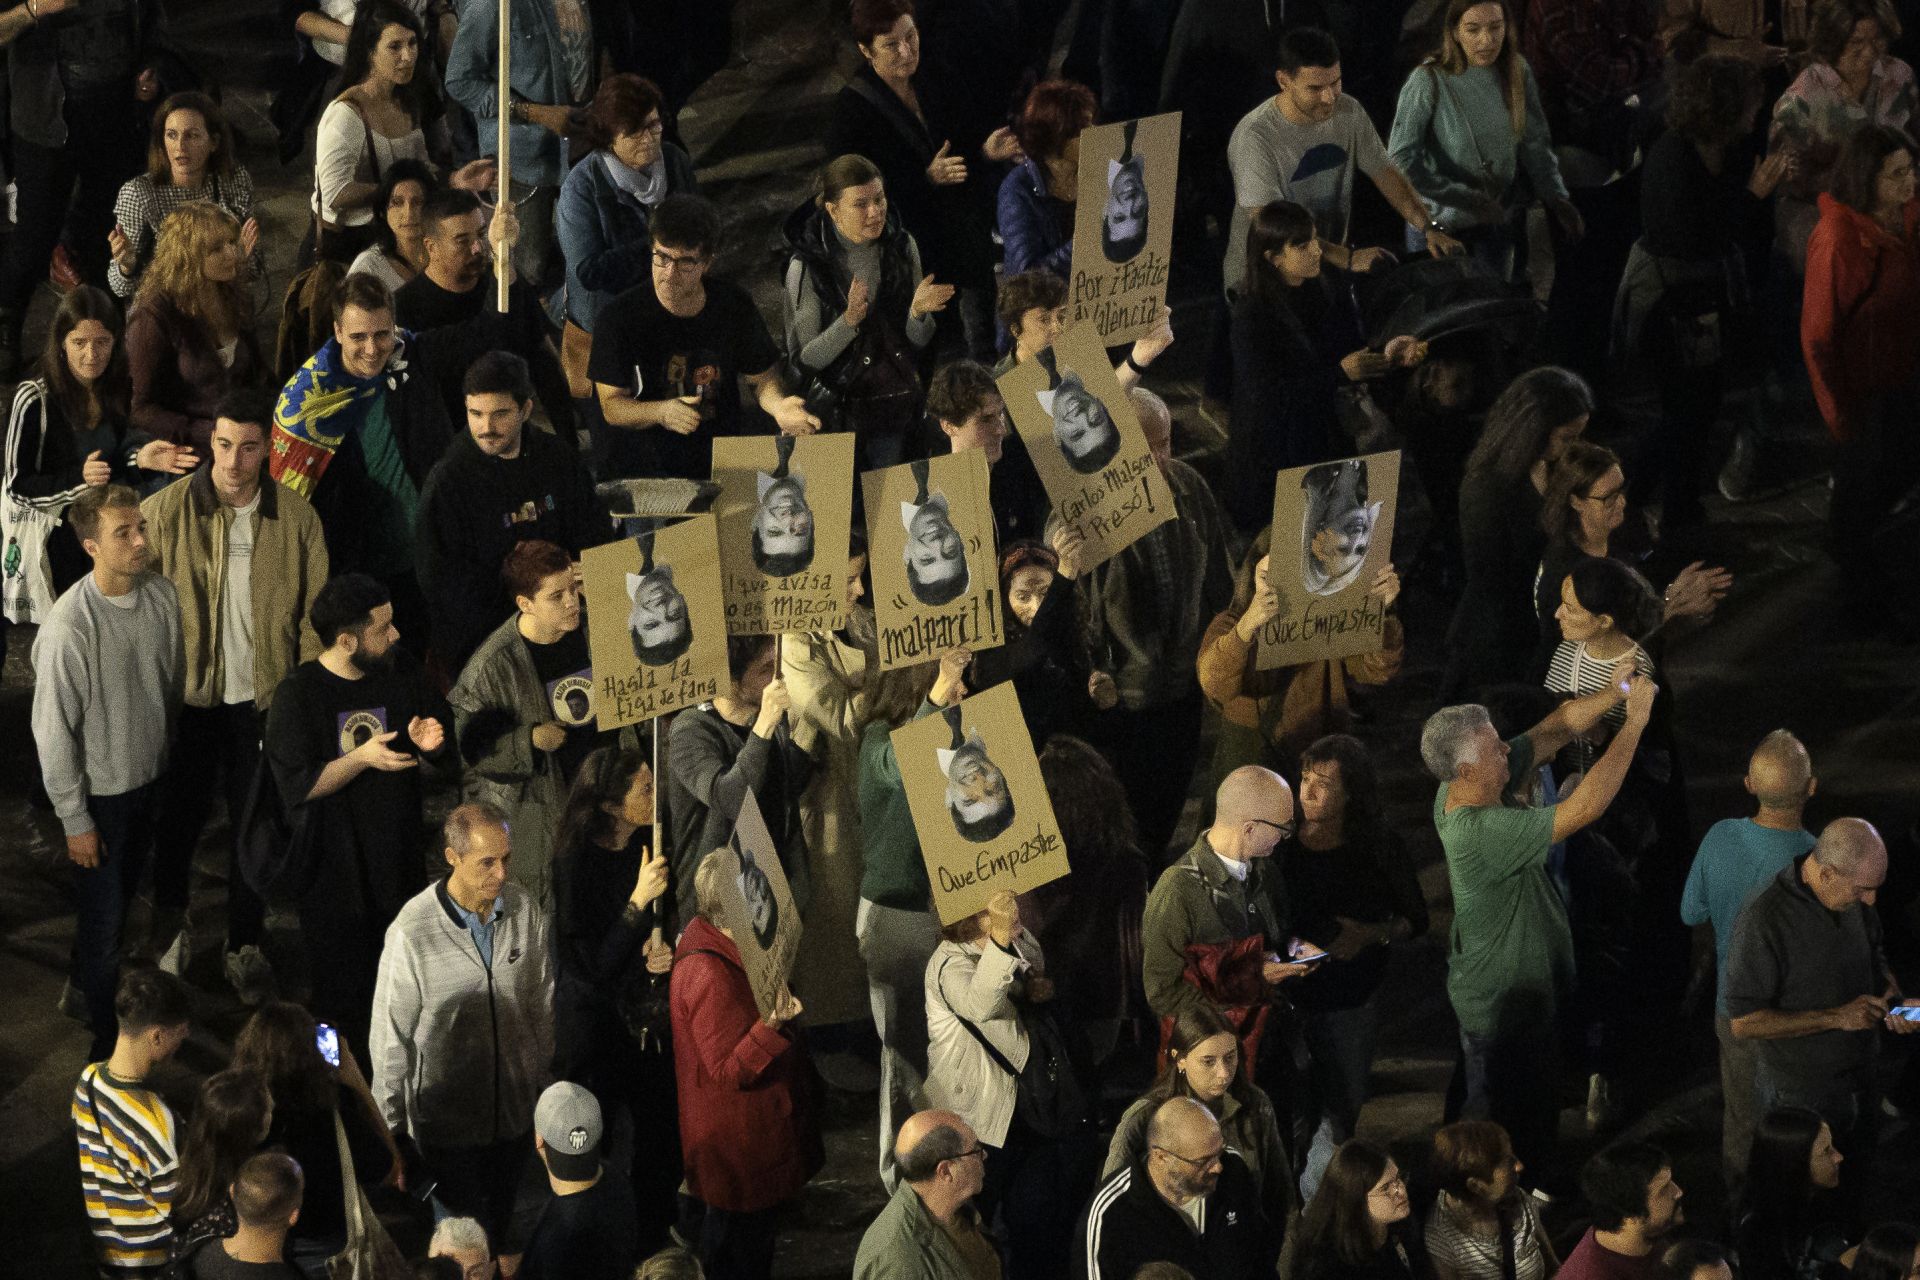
(928, 298)
(858, 300)
(165, 455)
(652, 880)
(947, 169)
(426, 732)
(951, 684)
(96, 470)
(376, 753)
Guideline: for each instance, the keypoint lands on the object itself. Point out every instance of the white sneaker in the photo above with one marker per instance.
(177, 955)
(1599, 1102)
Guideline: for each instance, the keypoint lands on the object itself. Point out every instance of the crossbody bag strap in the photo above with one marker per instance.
(999, 1059)
(356, 1226)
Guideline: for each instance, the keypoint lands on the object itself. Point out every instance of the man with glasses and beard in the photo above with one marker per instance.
(353, 801)
(1189, 1200)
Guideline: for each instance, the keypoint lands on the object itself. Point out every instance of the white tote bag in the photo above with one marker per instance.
(27, 594)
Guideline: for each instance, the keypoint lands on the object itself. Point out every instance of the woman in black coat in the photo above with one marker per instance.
(939, 153)
(1296, 343)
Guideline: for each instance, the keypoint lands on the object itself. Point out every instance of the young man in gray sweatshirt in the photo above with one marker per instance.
(107, 683)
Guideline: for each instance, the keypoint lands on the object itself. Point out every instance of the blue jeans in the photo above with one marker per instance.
(1341, 1042)
(125, 825)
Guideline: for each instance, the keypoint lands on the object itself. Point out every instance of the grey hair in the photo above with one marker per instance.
(1146, 402)
(709, 887)
(1447, 741)
(458, 1235)
(468, 818)
(923, 1159)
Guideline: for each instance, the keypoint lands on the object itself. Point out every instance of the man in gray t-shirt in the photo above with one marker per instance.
(1303, 145)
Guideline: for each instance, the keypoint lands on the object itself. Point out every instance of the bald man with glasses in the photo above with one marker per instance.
(1189, 1200)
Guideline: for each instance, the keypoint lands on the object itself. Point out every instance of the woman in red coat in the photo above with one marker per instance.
(747, 1128)
(1860, 331)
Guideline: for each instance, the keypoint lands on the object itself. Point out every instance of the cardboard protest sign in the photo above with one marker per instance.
(655, 623)
(1086, 444)
(785, 509)
(1123, 227)
(757, 907)
(1332, 534)
(931, 552)
(979, 803)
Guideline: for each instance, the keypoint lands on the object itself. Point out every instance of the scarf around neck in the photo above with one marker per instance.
(648, 185)
(321, 406)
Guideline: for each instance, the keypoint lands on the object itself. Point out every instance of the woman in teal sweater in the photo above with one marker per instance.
(1472, 137)
(896, 924)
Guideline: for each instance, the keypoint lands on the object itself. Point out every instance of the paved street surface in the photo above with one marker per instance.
(1781, 653)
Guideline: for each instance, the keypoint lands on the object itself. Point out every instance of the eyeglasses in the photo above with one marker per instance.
(977, 1149)
(679, 262)
(653, 128)
(1203, 1164)
(1609, 498)
(1285, 829)
(1388, 1188)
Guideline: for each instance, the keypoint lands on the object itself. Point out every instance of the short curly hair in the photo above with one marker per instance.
(1022, 293)
(1712, 99)
(1056, 112)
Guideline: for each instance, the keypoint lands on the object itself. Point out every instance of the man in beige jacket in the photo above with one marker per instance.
(246, 556)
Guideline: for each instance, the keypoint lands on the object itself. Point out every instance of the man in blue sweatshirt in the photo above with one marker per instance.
(108, 666)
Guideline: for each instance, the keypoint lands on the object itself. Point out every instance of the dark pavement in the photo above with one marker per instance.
(1782, 652)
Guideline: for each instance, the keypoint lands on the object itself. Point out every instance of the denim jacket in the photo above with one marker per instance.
(603, 232)
(538, 74)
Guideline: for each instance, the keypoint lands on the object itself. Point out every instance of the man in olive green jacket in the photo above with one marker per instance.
(246, 558)
(930, 1229)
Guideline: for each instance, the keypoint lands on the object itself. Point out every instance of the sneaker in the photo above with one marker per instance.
(177, 954)
(251, 976)
(1599, 1103)
(1738, 479)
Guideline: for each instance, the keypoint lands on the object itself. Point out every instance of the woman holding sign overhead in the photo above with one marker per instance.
(1297, 347)
(859, 310)
(610, 921)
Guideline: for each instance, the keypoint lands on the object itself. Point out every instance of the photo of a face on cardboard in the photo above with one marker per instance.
(782, 519)
(931, 557)
(756, 905)
(977, 797)
(1082, 427)
(935, 554)
(979, 804)
(1332, 535)
(656, 628)
(1336, 526)
(1123, 222)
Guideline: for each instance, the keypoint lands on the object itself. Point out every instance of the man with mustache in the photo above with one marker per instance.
(498, 485)
(1190, 1200)
(354, 855)
(108, 665)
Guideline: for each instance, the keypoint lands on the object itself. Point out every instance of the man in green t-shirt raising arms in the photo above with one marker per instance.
(1511, 953)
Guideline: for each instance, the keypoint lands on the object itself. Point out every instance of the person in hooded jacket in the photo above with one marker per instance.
(498, 484)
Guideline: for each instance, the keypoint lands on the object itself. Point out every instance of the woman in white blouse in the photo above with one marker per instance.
(378, 119)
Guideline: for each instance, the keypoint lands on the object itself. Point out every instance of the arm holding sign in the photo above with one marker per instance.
(1602, 782)
(734, 1046)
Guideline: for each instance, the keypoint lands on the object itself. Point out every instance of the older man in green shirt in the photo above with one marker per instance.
(1511, 953)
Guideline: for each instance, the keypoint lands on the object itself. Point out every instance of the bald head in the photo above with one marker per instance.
(1252, 794)
(1852, 847)
(927, 1140)
(1182, 1125)
(1780, 774)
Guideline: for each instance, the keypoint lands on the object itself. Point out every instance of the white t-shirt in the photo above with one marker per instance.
(236, 607)
(1273, 158)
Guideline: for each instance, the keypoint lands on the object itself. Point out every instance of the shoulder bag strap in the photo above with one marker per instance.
(999, 1059)
(356, 1226)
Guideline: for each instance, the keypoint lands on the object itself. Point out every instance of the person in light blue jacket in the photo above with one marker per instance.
(607, 202)
(551, 76)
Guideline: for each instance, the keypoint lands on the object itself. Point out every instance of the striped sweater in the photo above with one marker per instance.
(128, 1167)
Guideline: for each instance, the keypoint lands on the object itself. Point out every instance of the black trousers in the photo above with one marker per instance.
(125, 825)
(1153, 750)
(74, 186)
(1871, 473)
(218, 747)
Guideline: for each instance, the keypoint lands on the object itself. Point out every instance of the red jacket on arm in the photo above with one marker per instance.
(1860, 318)
(746, 1110)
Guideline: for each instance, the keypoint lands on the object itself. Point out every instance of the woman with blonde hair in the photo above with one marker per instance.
(190, 335)
(1471, 135)
(189, 157)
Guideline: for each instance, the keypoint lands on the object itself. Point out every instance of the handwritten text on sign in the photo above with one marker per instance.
(1123, 227)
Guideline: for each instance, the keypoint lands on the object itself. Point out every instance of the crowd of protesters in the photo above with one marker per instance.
(329, 585)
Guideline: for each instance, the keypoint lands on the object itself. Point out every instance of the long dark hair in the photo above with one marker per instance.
(1779, 1169)
(114, 388)
(893, 696)
(605, 778)
(400, 171)
(1088, 800)
(1524, 416)
(1574, 473)
(1605, 586)
(1271, 228)
(278, 1042)
(1337, 1223)
(1886, 1253)
(1856, 175)
(1192, 1029)
(418, 97)
(1364, 824)
(227, 1124)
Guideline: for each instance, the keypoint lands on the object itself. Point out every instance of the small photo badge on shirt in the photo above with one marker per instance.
(357, 728)
(571, 698)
